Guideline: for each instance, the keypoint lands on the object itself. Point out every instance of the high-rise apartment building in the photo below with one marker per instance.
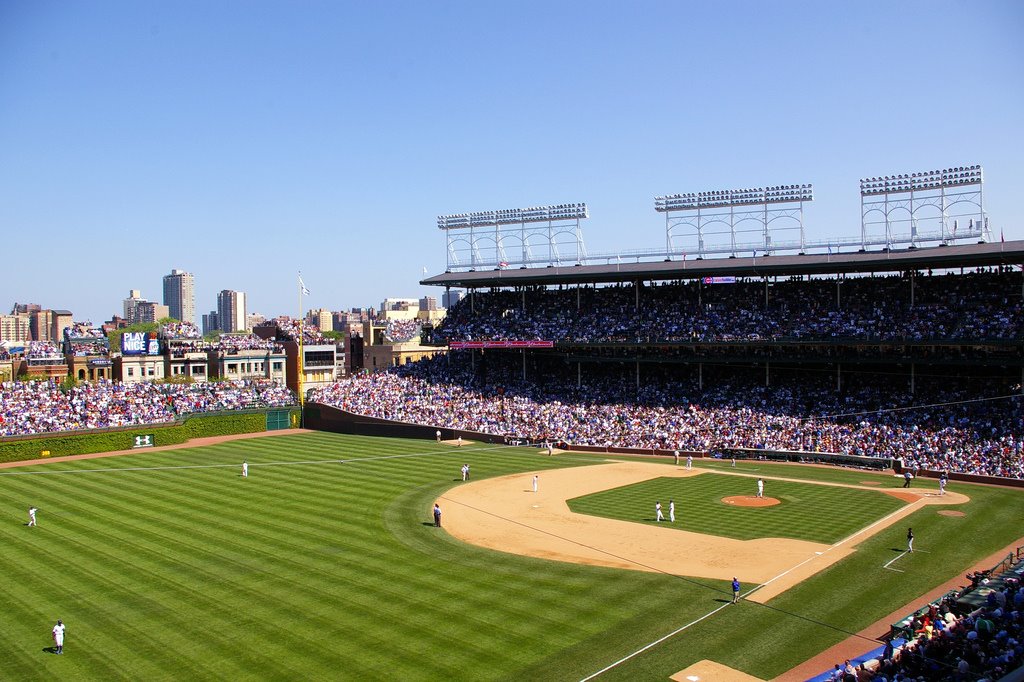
(322, 319)
(210, 323)
(450, 298)
(179, 295)
(59, 319)
(15, 327)
(231, 310)
(138, 309)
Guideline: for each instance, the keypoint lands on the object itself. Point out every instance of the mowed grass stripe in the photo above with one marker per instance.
(316, 571)
(808, 511)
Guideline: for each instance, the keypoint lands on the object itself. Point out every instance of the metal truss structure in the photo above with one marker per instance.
(520, 237)
(762, 219)
(932, 206)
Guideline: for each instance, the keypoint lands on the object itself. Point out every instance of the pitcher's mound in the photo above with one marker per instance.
(750, 501)
(952, 512)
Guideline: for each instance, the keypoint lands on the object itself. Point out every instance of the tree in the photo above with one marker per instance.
(115, 336)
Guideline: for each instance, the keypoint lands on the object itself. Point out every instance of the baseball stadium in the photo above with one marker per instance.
(743, 456)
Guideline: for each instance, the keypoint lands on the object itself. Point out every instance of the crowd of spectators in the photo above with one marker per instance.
(181, 330)
(97, 346)
(33, 407)
(235, 342)
(400, 331)
(983, 645)
(952, 429)
(41, 349)
(84, 330)
(289, 329)
(977, 305)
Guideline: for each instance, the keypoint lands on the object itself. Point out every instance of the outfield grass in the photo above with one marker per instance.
(169, 566)
(814, 512)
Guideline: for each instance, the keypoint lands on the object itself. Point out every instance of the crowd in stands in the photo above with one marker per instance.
(33, 407)
(289, 329)
(957, 432)
(181, 330)
(400, 331)
(41, 349)
(235, 342)
(84, 330)
(95, 347)
(983, 645)
(978, 305)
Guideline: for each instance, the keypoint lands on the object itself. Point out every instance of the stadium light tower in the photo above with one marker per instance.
(480, 239)
(724, 213)
(901, 204)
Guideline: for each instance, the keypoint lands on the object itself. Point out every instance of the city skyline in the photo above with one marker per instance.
(247, 144)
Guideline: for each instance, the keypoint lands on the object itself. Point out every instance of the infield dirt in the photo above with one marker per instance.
(506, 515)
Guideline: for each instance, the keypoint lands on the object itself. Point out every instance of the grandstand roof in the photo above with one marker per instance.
(935, 258)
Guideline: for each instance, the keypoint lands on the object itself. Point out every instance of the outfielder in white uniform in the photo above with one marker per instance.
(671, 511)
(58, 636)
(32, 516)
(657, 512)
(245, 469)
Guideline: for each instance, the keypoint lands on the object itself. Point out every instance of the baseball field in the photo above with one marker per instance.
(324, 562)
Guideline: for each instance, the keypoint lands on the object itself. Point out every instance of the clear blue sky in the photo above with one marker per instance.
(244, 141)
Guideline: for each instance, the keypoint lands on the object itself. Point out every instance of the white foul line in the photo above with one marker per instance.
(901, 510)
(655, 642)
(898, 556)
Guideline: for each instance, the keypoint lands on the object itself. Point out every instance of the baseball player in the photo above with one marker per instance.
(760, 488)
(58, 636)
(32, 516)
(245, 469)
(657, 512)
(671, 511)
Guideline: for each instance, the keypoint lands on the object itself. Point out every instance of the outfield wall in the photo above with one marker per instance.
(328, 418)
(198, 425)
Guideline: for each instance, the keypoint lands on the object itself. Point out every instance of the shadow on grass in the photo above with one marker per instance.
(49, 649)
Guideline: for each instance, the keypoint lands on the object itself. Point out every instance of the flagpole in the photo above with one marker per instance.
(302, 397)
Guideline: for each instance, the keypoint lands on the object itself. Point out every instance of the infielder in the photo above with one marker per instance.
(657, 512)
(671, 511)
(536, 479)
(760, 488)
